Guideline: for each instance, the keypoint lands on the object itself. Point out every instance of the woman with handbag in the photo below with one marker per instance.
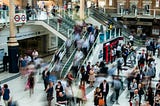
(97, 97)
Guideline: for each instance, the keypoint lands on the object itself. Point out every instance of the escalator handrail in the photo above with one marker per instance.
(63, 53)
(125, 30)
(69, 60)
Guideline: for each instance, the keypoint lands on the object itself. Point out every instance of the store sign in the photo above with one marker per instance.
(20, 36)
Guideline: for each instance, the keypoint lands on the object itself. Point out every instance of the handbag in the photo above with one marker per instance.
(101, 102)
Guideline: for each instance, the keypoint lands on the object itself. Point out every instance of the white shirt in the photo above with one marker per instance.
(131, 37)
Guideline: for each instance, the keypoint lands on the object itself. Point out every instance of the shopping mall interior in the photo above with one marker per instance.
(47, 26)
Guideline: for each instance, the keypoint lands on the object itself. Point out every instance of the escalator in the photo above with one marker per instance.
(67, 66)
(104, 19)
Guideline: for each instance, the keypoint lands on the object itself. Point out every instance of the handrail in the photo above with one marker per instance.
(51, 66)
(64, 51)
(88, 55)
(69, 60)
(116, 23)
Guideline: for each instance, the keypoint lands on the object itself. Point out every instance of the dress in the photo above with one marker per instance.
(91, 76)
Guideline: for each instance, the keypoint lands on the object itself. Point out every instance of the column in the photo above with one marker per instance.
(12, 41)
(107, 3)
(127, 4)
(82, 4)
(60, 3)
(140, 4)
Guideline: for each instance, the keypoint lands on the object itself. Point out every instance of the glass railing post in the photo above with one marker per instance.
(121, 11)
(115, 32)
(119, 32)
(154, 13)
(58, 26)
(135, 12)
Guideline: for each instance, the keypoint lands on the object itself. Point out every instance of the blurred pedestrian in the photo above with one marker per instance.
(31, 80)
(6, 94)
(49, 92)
(67, 46)
(45, 77)
(116, 84)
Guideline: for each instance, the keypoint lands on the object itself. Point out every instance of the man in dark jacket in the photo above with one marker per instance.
(5, 61)
(104, 87)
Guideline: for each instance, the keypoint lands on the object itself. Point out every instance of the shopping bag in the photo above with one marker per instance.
(101, 102)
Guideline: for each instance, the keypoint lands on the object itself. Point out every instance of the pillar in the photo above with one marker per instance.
(127, 4)
(60, 3)
(140, 4)
(82, 4)
(12, 41)
(107, 3)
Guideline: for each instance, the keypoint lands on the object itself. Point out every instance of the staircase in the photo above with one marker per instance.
(67, 66)
(60, 30)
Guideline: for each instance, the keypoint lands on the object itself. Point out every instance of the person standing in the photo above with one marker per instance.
(131, 38)
(6, 94)
(34, 54)
(104, 87)
(97, 96)
(135, 100)
(58, 88)
(5, 61)
(91, 76)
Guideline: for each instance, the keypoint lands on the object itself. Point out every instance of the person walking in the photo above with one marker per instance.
(45, 77)
(104, 86)
(6, 94)
(49, 91)
(31, 81)
(116, 84)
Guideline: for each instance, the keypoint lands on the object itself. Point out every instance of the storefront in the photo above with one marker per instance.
(107, 55)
